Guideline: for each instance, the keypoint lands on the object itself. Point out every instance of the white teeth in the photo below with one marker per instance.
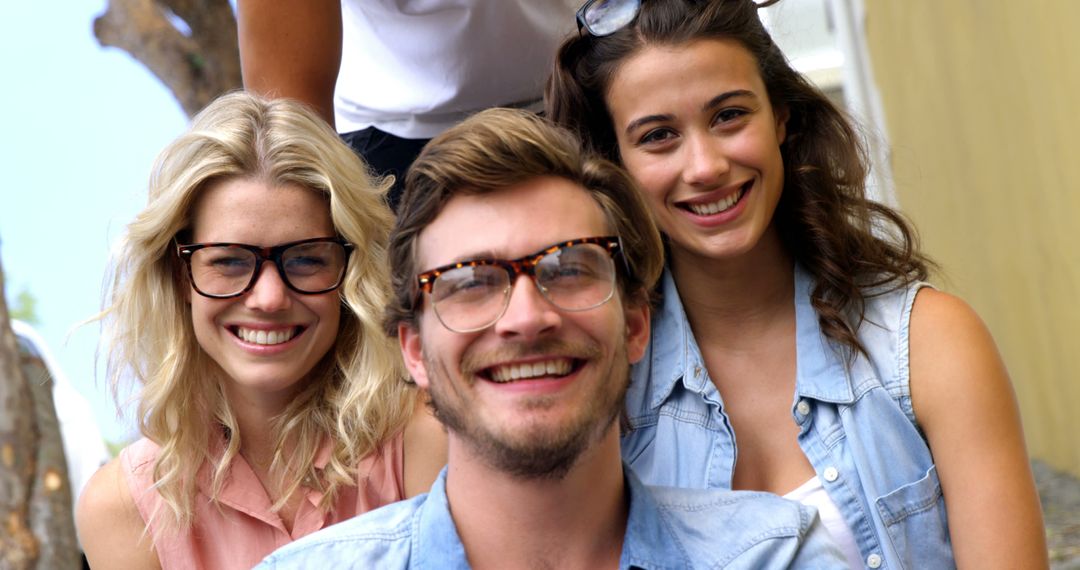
(718, 206)
(509, 373)
(265, 337)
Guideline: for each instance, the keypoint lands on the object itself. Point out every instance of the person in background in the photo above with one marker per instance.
(403, 71)
(521, 269)
(797, 348)
(246, 301)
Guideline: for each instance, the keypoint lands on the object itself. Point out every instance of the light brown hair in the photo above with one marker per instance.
(499, 148)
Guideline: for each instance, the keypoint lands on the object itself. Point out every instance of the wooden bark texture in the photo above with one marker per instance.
(191, 45)
(51, 518)
(36, 526)
(18, 546)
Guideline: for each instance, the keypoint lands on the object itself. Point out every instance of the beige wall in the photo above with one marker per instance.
(982, 99)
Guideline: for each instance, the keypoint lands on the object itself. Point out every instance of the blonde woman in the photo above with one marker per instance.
(246, 301)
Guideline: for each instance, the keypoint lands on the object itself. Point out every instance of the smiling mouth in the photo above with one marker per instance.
(265, 337)
(722, 205)
(553, 368)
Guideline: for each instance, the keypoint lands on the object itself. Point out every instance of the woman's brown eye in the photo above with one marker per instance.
(726, 115)
(655, 135)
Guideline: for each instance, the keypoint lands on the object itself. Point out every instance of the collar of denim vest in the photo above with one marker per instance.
(821, 372)
(672, 348)
(675, 355)
(647, 542)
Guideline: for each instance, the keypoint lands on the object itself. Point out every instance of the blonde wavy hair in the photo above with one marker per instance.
(357, 396)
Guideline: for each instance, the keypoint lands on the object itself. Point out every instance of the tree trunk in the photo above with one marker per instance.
(36, 530)
(51, 518)
(191, 45)
(18, 547)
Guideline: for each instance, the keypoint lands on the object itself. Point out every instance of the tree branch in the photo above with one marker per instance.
(196, 67)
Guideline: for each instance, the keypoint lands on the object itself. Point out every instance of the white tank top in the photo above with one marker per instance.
(812, 493)
(415, 67)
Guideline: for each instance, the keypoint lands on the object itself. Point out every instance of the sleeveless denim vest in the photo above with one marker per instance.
(857, 425)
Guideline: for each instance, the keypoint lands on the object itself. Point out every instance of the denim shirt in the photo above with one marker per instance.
(857, 425)
(665, 528)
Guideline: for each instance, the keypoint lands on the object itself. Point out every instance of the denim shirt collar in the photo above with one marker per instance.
(435, 537)
(647, 543)
(819, 361)
(673, 352)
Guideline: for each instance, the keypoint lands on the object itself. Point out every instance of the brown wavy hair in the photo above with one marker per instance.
(854, 247)
(498, 148)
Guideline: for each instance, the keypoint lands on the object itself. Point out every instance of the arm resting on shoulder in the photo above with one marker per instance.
(111, 530)
(291, 48)
(966, 406)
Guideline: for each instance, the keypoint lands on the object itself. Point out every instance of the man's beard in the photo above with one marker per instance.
(536, 452)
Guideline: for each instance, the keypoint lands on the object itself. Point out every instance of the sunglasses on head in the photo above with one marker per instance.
(605, 17)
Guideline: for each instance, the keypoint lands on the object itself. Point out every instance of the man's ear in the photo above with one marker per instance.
(637, 328)
(412, 351)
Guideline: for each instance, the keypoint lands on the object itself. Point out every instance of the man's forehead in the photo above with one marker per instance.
(509, 222)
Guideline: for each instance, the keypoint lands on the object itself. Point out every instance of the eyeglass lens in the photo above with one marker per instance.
(573, 278)
(308, 267)
(604, 17)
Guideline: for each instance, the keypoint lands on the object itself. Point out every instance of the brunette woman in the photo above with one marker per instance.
(797, 348)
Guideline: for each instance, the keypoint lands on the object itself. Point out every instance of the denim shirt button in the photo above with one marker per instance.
(873, 561)
(803, 407)
(697, 372)
(831, 474)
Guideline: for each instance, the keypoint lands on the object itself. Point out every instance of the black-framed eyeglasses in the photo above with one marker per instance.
(574, 275)
(223, 270)
(605, 17)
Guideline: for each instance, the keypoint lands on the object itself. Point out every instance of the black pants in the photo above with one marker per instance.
(386, 154)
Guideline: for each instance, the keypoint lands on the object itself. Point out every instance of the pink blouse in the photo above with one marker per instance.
(243, 530)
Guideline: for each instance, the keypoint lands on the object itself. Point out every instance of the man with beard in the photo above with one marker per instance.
(521, 270)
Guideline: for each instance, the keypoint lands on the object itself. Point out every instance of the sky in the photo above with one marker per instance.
(81, 126)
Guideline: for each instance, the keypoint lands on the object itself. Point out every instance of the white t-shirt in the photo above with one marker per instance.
(812, 493)
(414, 68)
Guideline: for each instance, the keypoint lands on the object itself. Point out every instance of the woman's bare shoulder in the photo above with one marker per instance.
(964, 402)
(111, 529)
